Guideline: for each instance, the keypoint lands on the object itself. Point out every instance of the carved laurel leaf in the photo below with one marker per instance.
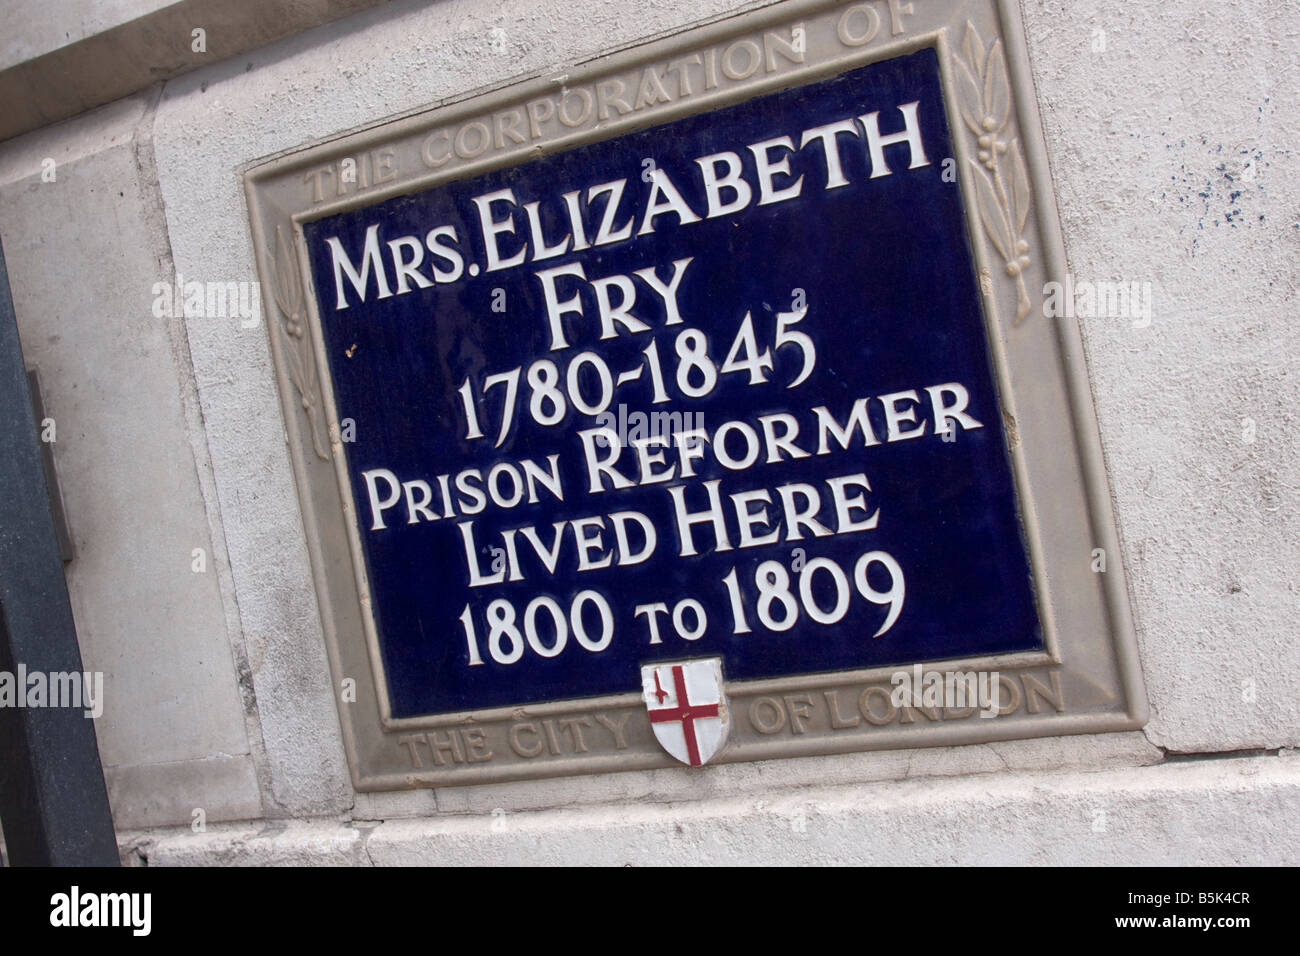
(281, 270)
(302, 341)
(291, 356)
(973, 47)
(1019, 185)
(277, 290)
(997, 91)
(294, 334)
(295, 362)
(288, 288)
(969, 99)
(1002, 192)
(995, 220)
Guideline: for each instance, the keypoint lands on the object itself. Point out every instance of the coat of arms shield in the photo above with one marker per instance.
(688, 707)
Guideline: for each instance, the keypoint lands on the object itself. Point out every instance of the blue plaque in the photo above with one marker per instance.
(719, 387)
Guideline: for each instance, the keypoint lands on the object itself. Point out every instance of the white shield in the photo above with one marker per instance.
(688, 708)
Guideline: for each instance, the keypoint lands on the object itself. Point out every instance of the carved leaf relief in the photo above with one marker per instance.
(295, 335)
(1001, 179)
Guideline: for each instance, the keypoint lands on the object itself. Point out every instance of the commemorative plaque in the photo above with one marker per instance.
(693, 405)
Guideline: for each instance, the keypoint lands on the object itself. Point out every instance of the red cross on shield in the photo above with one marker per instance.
(688, 707)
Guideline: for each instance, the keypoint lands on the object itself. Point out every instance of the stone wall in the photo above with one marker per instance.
(1172, 143)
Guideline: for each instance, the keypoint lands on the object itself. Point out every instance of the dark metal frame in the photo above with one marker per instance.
(53, 800)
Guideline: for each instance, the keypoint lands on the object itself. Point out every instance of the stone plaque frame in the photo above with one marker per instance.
(1086, 679)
